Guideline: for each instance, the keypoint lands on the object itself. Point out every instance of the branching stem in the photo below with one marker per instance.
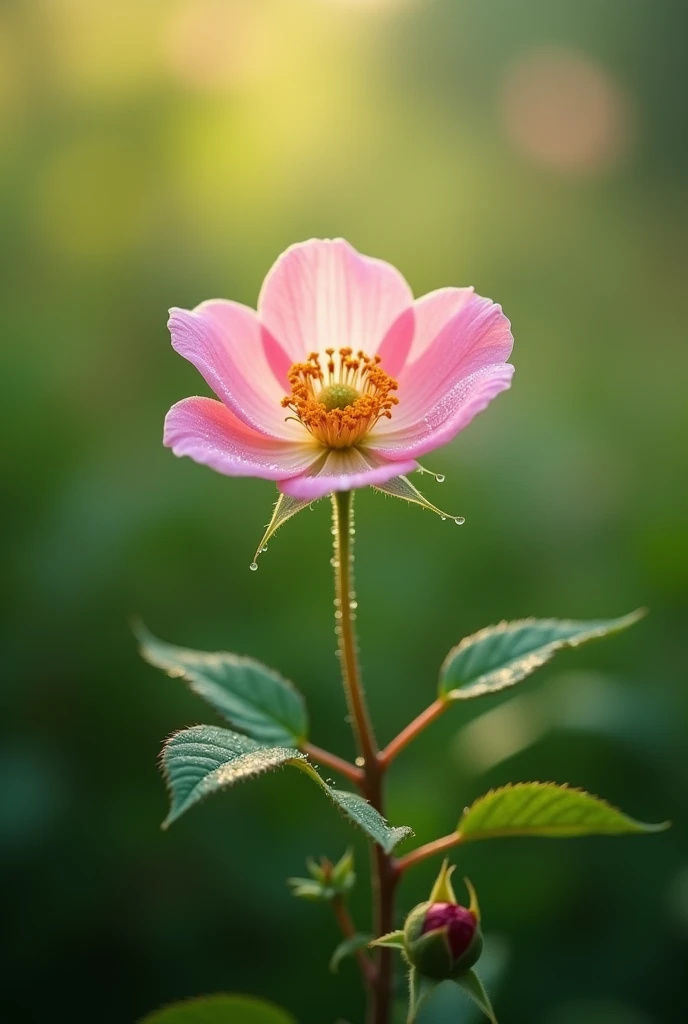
(428, 850)
(338, 764)
(412, 730)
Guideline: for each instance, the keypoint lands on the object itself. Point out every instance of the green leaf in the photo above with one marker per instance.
(252, 697)
(474, 988)
(206, 758)
(545, 809)
(367, 818)
(348, 947)
(500, 656)
(220, 1010)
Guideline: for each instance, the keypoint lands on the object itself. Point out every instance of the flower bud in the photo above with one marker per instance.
(442, 940)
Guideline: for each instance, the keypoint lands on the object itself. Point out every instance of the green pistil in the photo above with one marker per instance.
(338, 396)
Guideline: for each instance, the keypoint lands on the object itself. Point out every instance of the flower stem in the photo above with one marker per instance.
(384, 875)
(344, 602)
(338, 764)
(428, 850)
(412, 730)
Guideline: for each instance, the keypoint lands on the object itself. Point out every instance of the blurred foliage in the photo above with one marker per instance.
(161, 153)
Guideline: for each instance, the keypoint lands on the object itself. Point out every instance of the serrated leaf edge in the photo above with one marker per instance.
(535, 659)
(640, 827)
(143, 635)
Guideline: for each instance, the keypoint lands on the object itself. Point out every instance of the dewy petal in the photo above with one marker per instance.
(209, 433)
(469, 396)
(323, 294)
(343, 469)
(226, 344)
(475, 336)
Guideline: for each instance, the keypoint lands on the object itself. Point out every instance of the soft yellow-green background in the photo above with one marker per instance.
(157, 153)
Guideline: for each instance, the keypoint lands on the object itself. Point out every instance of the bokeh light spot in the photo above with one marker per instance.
(566, 111)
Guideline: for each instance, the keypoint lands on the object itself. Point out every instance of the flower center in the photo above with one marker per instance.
(340, 404)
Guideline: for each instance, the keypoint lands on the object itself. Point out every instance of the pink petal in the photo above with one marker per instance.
(466, 398)
(344, 469)
(211, 434)
(226, 344)
(469, 333)
(432, 312)
(324, 294)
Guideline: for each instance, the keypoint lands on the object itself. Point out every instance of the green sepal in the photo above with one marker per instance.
(430, 953)
(308, 889)
(442, 890)
(473, 906)
(420, 990)
(392, 940)
(348, 947)
(474, 988)
(401, 487)
(285, 508)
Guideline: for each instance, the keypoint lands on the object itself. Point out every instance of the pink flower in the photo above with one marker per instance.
(341, 379)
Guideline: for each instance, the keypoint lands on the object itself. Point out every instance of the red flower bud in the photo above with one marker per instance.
(442, 940)
(461, 925)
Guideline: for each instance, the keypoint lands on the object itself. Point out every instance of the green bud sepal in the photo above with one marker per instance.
(327, 880)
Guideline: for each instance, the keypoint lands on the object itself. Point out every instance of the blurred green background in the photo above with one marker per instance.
(158, 153)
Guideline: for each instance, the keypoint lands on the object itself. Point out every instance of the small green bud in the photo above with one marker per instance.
(327, 880)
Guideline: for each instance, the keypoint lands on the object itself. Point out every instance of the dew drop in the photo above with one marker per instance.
(359, 762)
(353, 605)
(440, 478)
(253, 566)
(443, 518)
(264, 549)
(459, 520)
(338, 614)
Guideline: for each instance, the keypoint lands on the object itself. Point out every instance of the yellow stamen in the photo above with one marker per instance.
(340, 410)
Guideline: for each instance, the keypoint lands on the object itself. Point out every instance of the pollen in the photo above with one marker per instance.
(341, 403)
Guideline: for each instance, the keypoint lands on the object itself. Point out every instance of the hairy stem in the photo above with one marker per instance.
(344, 613)
(412, 730)
(384, 875)
(338, 764)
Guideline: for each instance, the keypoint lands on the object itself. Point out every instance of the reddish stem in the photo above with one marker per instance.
(348, 931)
(428, 850)
(338, 764)
(412, 730)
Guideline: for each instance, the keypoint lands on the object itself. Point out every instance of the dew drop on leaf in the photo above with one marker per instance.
(253, 566)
